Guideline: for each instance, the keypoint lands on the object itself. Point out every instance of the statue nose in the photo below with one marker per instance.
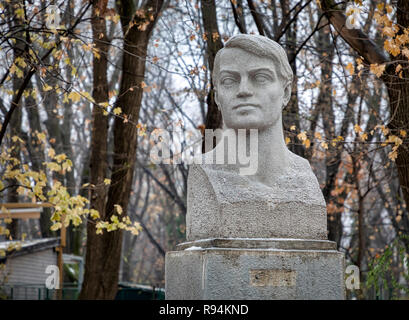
(244, 90)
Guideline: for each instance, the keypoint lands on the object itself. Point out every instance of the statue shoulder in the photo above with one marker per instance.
(302, 168)
(299, 163)
(305, 176)
(198, 177)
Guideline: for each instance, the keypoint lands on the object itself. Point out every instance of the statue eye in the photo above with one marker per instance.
(261, 78)
(228, 81)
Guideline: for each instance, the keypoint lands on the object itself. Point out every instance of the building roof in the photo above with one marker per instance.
(27, 246)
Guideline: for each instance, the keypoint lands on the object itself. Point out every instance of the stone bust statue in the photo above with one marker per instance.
(282, 198)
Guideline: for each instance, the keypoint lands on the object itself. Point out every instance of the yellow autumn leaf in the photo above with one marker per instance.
(20, 13)
(20, 61)
(324, 145)
(96, 53)
(405, 52)
(357, 128)
(51, 153)
(74, 96)
(56, 226)
(394, 139)
(287, 140)
(117, 111)
(53, 166)
(41, 136)
(351, 69)
(87, 46)
(389, 31)
(302, 136)
(46, 87)
(107, 181)
(67, 165)
(384, 129)
(87, 95)
(377, 69)
(61, 157)
(17, 138)
(118, 208)
(8, 220)
(104, 104)
(94, 214)
(393, 155)
(391, 46)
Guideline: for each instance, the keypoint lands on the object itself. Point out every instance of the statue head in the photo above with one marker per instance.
(252, 80)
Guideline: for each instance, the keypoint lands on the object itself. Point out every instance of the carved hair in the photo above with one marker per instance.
(262, 47)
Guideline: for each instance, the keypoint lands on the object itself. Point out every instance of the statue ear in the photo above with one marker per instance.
(287, 94)
(216, 97)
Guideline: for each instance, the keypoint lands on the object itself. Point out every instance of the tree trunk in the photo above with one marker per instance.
(103, 262)
(291, 114)
(214, 43)
(19, 49)
(93, 286)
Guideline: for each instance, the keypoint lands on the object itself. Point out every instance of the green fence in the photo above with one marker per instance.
(127, 291)
(26, 291)
(71, 291)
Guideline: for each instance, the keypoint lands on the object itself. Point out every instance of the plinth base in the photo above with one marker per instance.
(255, 269)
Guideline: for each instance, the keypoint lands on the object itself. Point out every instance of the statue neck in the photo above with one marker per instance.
(271, 156)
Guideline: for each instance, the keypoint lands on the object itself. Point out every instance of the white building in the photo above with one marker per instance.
(23, 275)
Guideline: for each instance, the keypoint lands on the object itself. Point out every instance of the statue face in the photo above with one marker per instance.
(248, 91)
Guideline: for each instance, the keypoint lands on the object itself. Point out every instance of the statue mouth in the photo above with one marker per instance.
(245, 106)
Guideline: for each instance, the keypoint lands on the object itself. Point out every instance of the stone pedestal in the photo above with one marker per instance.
(255, 269)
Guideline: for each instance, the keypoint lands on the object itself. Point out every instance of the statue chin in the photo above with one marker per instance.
(250, 123)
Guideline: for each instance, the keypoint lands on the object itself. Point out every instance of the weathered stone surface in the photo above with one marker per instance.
(222, 203)
(243, 273)
(260, 243)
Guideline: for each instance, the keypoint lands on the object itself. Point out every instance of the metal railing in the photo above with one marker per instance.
(26, 291)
